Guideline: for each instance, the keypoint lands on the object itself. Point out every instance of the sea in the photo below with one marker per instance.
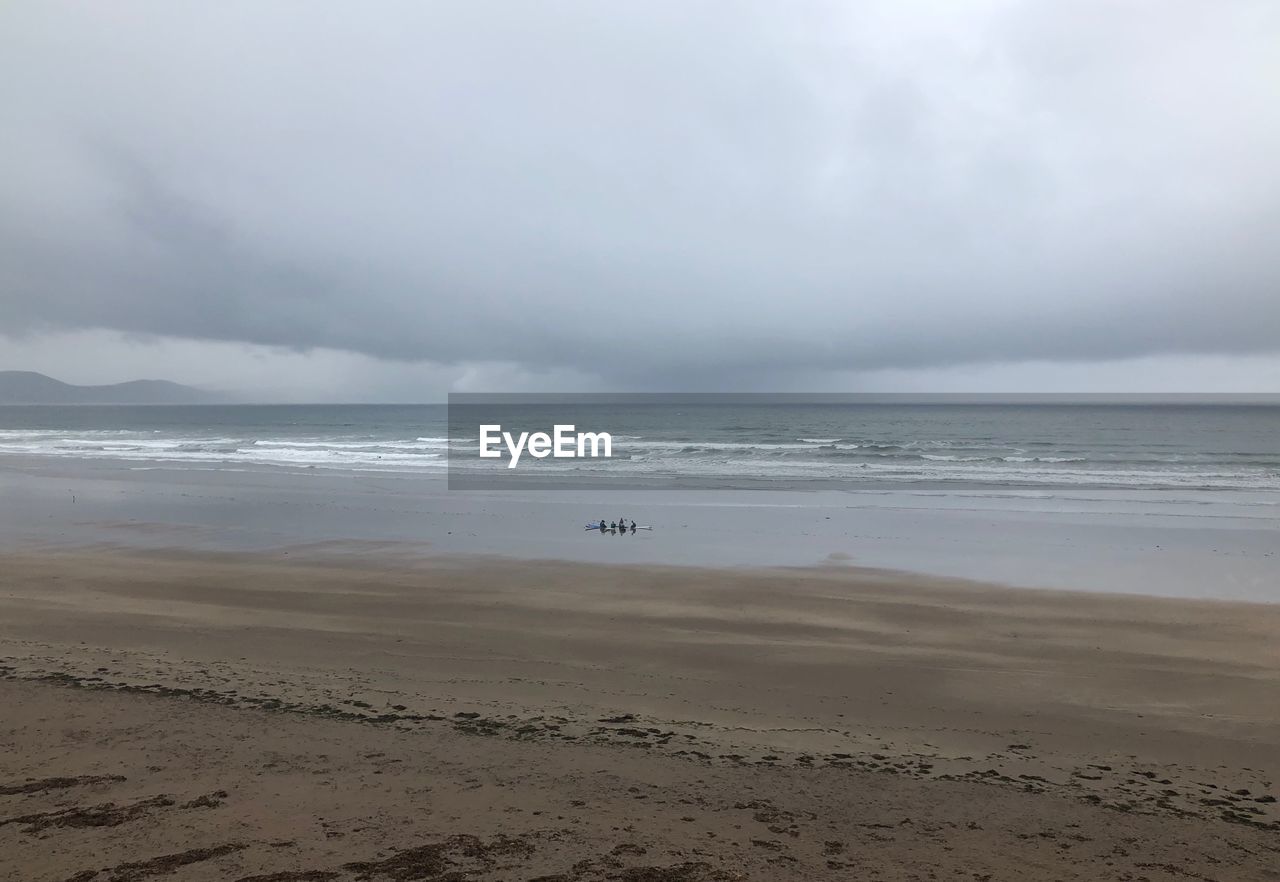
(1176, 499)
(1210, 447)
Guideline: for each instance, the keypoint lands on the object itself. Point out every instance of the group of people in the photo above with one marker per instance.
(620, 525)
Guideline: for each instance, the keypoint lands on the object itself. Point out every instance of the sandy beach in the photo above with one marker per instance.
(360, 711)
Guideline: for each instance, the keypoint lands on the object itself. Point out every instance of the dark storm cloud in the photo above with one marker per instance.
(648, 191)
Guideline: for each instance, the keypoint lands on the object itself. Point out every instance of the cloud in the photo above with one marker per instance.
(648, 194)
(273, 374)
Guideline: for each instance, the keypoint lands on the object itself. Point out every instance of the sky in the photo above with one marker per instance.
(389, 201)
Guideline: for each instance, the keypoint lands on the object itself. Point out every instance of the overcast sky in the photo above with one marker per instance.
(385, 201)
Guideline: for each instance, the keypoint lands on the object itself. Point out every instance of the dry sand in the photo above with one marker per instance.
(319, 716)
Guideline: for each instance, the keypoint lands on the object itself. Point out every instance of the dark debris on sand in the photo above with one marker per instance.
(458, 856)
(693, 871)
(45, 784)
(462, 857)
(108, 814)
(133, 871)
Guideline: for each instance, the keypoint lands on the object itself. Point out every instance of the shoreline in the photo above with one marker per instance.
(1205, 545)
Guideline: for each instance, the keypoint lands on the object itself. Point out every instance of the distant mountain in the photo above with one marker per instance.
(28, 387)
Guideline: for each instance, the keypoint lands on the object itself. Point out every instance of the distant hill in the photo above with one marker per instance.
(29, 387)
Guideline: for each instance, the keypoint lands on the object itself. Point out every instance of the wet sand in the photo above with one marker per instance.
(350, 711)
(1198, 544)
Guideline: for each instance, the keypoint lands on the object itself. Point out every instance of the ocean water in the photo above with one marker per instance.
(1213, 447)
(1175, 500)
